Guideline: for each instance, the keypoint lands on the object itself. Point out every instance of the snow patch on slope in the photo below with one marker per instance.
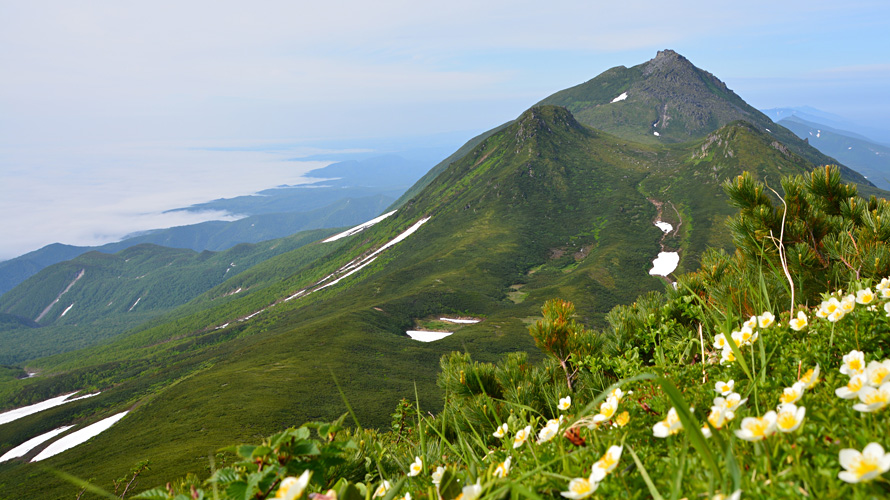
(358, 228)
(425, 336)
(66, 310)
(665, 263)
(23, 449)
(622, 97)
(78, 437)
(24, 411)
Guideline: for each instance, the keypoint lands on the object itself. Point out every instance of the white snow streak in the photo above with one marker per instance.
(134, 304)
(67, 309)
(358, 228)
(24, 411)
(425, 336)
(622, 97)
(78, 437)
(23, 449)
(465, 321)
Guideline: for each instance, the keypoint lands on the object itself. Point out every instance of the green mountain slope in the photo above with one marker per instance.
(95, 296)
(545, 207)
(662, 101)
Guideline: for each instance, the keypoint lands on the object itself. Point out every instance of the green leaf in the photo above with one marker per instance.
(153, 494)
(649, 484)
(349, 491)
(449, 486)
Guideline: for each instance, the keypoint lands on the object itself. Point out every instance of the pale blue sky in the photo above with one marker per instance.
(94, 78)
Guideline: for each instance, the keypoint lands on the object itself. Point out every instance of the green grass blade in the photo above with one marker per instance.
(690, 425)
(649, 484)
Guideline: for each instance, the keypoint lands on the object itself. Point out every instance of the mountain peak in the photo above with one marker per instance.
(665, 59)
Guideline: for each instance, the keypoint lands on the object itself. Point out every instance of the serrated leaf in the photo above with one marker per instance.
(153, 494)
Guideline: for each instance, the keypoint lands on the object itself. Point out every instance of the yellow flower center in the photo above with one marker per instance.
(788, 396)
(876, 397)
(580, 486)
(608, 461)
(623, 419)
(786, 420)
(714, 419)
(607, 409)
(757, 427)
(855, 384)
(864, 465)
(878, 374)
(867, 297)
(807, 377)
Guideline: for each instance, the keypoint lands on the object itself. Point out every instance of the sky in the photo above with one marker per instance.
(112, 112)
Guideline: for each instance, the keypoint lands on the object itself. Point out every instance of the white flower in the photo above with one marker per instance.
(883, 285)
(617, 394)
(727, 356)
(580, 488)
(744, 337)
(757, 429)
(720, 341)
(885, 293)
(548, 431)
(800, 322)
(501, 431)
(607, 409)
(837, 315)
(851, 390)
(887, 307)
(565, 403)
(853, 363)
(865, 466)
(416, 467)
(724, 388)
(828, 307)
(865, 296)
(877, 372)
(718, 417)
(606, 464)
(382, 489)
(669, 426)
(437, 475)
(731, 402)
(521, 436)
(503, 468)
(848, 303)
(790, 417)
(292, 488)
(792, 394)
(810, 378)
(471, 492)
(766, 319)
(873, 399)
(751, 323)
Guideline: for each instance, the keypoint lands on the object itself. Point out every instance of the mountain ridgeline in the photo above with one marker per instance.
(544, 206)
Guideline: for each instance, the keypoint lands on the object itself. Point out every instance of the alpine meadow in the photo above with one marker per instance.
(564, 365)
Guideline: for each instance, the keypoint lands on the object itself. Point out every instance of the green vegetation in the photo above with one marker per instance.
(546, 203)
(713, 388)
(101, 296)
